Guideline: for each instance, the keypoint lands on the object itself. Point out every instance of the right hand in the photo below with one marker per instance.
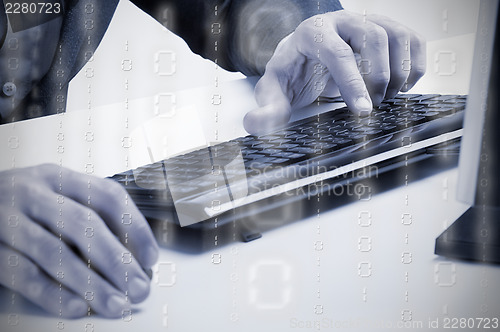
(320, 58)
(70, 242)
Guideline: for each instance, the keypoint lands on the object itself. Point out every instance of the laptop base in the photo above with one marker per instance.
(474, 236)
(248, 222)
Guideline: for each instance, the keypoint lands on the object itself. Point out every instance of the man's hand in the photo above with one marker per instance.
(365, 58)
(69, 242)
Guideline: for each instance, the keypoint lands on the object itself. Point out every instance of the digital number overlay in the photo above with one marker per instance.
(27, 14)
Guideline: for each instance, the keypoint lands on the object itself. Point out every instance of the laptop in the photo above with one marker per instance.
(475, 235)
(245, 186)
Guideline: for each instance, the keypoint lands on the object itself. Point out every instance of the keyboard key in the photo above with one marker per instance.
(408, 96)
(303, 150)
(272, 151)
(296, 156)
(428, 97)
(296, 136)
(262, 146)
(269, 137)
(281, 154)
(323, 146)
(246, 152)
(288, 146)
(279, 160)
(303, 142)
(341, 142)
(254, 156)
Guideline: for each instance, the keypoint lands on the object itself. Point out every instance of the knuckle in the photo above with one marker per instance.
(377, 37)
(115, 190)
(314, 21)
(80, 216)
(276, 67)
(111, 194)
(418, 40)
(306, 26)
(21, 179)
(400, 33)
(399, 76)
(353, 80)
(142, 233)
(380, 80)
(47, 168)
(343, 52)
(38, 200)
(27, 190)
(120, 259)
(313, 25)
(40, 245)
(26, 274)
(35, 289)
(50, 172)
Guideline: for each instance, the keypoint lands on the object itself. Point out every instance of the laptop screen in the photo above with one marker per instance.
(482, 111)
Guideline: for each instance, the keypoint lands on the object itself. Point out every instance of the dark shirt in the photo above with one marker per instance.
(239, 35)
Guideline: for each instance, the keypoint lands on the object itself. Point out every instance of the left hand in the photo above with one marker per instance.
(365, 58)
(70, 241)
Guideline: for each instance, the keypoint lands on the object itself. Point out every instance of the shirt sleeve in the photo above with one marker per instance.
(239, 35)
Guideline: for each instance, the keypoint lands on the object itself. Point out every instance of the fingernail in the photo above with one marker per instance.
(363, 106)
(364, 113)
(138, 289)
(76, 307)
(149, 273)
(116, 304)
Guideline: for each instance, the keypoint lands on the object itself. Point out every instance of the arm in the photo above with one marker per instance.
(246, 31)
(302, 49)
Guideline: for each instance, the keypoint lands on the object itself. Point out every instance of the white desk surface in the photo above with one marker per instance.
(358, 267)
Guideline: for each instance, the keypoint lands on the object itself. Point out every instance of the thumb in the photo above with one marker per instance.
(274, 109)
(266, 119)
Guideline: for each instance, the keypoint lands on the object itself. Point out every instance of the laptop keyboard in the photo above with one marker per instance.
(250, 164)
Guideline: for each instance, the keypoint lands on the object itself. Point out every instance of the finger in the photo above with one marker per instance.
(23, 276)
(83, 229)
(418, 53)
(274, 106)
(371, 42)
(399, 52)
(112, 203)
(338, 57)
(331, 89)
(61, 264)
